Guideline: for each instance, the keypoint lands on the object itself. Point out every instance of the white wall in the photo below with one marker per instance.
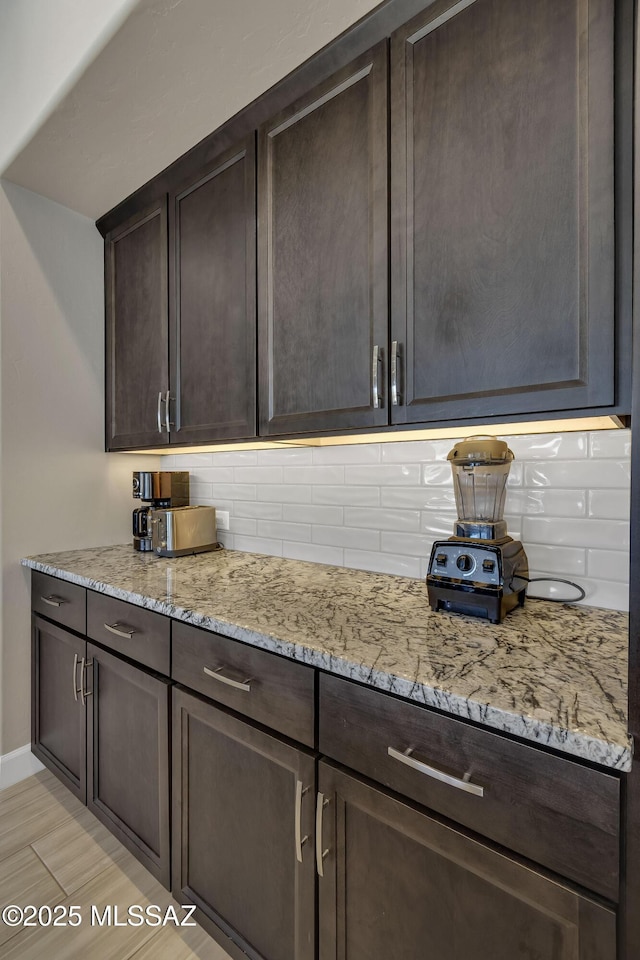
(44, 47)
(380, 506)
(58, 489)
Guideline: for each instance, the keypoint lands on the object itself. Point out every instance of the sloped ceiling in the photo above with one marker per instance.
(173, 72)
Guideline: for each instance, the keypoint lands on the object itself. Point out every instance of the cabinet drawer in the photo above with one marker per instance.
(59, 600)
(258, 684)
(134, 632)
(553, 810)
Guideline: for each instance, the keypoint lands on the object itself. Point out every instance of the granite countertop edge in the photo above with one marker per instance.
(573, 743)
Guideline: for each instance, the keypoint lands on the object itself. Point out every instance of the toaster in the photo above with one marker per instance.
(178, 531)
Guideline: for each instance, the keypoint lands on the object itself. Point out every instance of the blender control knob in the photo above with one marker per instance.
(465, 563)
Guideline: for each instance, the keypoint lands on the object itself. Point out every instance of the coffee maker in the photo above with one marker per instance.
(158, 489)
(480, 570)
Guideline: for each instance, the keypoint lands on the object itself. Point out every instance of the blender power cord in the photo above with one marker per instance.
(569, 583)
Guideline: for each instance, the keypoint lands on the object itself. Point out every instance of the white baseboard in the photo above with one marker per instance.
(18, 765)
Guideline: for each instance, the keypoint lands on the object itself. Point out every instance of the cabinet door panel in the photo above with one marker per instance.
(137, 329)
(58, 717)
(234, 856)
(128, 757)
(323, 254)
(400, 884)
(502, 191)
(213, 302)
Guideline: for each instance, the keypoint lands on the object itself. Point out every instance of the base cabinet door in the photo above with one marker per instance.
(243, 809)
(399, 884)
(58, 716)
(128, 756)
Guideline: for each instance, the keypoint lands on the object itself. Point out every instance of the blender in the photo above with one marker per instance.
(480, 571)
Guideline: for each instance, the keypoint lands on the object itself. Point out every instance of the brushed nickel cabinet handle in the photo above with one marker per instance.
(53, 600)
(117, 629)
(167, 421)
(395, 396)
(83, 674)
(160, 412)
(461, 783)
(321, 803)
(75, 677)
(300, 840)
(230, 682)
(376, 398)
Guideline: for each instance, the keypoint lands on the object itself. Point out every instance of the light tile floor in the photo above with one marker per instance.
(54, 851)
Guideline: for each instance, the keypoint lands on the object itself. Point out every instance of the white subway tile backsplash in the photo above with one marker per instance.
(549, 446)
(382, 563)
(578, 473)
(383, 474)
(259, 474)
(563, 561)
(312, 513)
(257, 510)
(233, 491)
(380, 506)
(356, 453)
(407, 544)
(346, 537)
(380, 518)
(227, 458)
(613, 594)
(610, 443)
(258, 545)
(314, 553)
(283, 530)
(411, 498)
(609, 504)
(357, 496)
(608, 564)
(212, 475)
(437, 525)
(286, 456)
(314, 474)
(243, 525)
(294, 492)
(416, 451)
(437, 474)
(609, 534)
(547, 502)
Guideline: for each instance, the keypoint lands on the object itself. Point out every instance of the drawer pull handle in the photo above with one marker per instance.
(300, 840)
(461, 783)
(236, 684)
(53, 600)
(120, 630)
(321, 803)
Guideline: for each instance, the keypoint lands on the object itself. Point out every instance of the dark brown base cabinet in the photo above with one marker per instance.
(400, 885)
(288, 855)
(243, 806)
(58, 717)
(128, 756)
(101, 725)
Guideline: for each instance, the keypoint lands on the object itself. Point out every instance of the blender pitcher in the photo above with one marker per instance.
(480, 467)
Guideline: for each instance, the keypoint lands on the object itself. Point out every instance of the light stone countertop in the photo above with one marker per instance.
(555, 674)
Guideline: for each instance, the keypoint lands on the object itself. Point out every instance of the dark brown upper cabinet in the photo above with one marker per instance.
(503, 208)
(322, 268)
(137, 364)
(213, 301)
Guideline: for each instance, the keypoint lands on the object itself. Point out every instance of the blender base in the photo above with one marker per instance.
(490, 604)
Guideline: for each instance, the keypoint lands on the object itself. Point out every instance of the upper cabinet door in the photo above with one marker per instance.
(137, 330)
(322, 273)
(502, 208)
(213, 301)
